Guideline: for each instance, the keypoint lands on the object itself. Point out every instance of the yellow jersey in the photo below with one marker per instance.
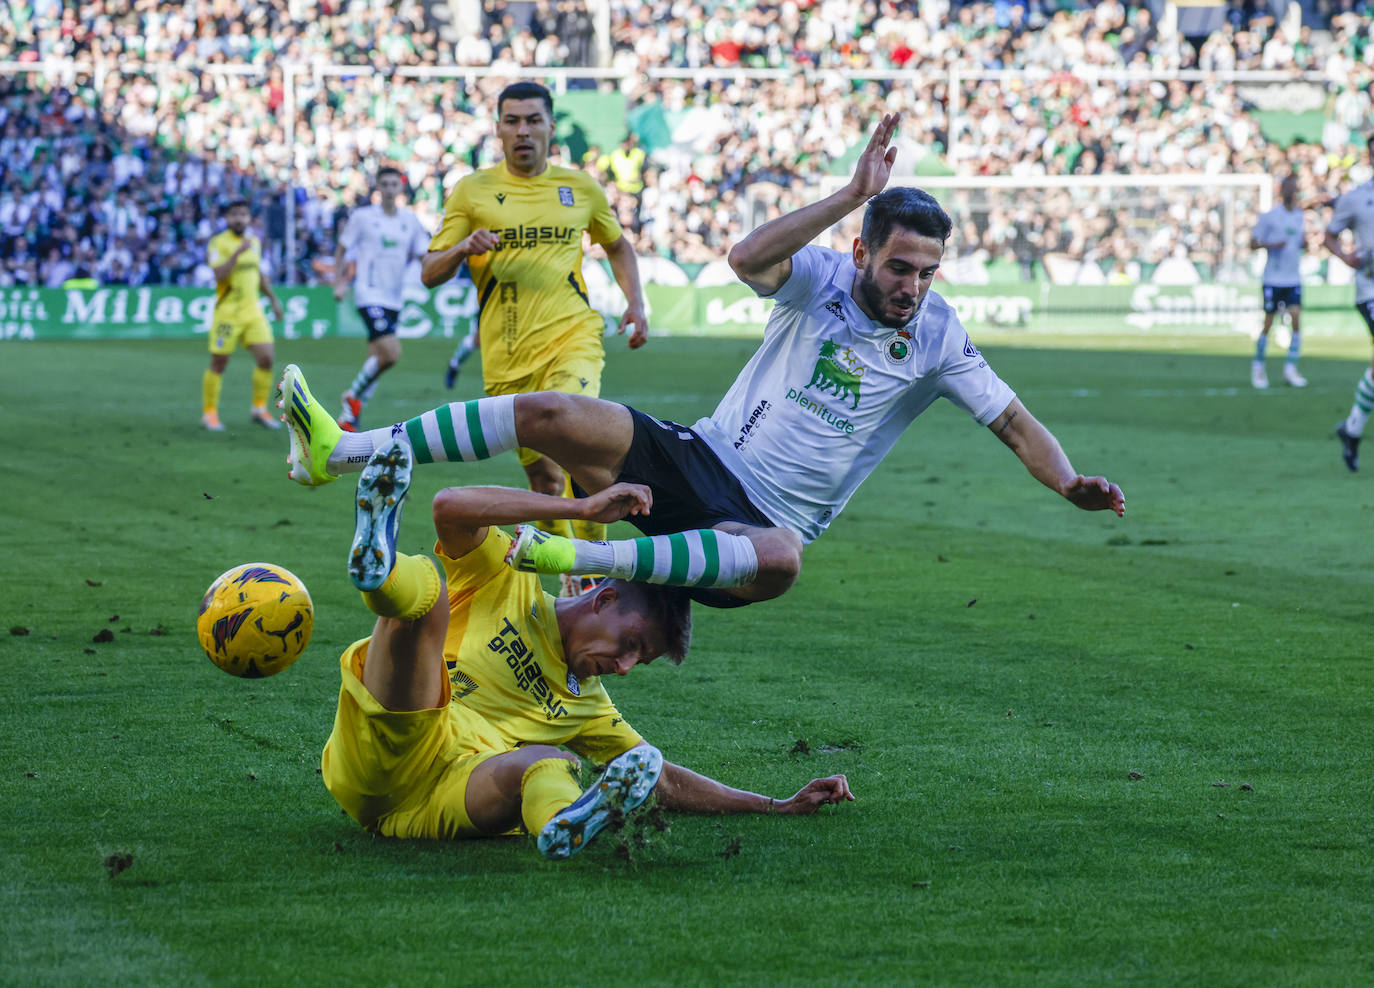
(505, 659)
(236, 297)
(532, 301)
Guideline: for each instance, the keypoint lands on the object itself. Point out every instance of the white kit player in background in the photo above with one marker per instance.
(377, 245)
(1283, 233)
(1355, 212)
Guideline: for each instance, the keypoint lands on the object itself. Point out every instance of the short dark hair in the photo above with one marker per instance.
(388, 170)
(668, 607)
(911, 209)
(526, 90)
(237, 203)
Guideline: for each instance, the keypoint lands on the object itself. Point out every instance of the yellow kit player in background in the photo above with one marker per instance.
(236, 256)
(519, 226)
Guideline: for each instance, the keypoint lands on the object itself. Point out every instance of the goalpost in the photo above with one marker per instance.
(1058, 252)
(1054, 226)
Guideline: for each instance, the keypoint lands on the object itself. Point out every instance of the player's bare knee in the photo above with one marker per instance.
(540, 414)
(779, 553)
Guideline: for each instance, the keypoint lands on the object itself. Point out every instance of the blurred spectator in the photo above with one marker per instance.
(175, 108)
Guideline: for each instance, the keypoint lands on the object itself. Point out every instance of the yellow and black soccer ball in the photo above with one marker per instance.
(255, 620)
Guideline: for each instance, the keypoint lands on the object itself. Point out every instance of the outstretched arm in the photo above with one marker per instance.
(462, 515)
(625, 267)
(1044, 458)
(682, 789)
(763, 260)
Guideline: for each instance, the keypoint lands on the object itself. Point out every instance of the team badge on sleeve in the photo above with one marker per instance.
(969, 349)
(565, 195)
(899, 347)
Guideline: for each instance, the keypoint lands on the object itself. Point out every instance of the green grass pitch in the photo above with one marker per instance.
(1086, 750)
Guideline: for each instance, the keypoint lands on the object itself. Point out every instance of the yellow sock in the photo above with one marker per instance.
(210, 385)
(262, 387)
(548, 786)
(409, 592)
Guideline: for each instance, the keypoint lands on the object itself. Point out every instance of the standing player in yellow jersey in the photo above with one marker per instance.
(519, 226)
(450, 716)
(236, 256)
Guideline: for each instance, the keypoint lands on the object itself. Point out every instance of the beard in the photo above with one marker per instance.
(872, 298)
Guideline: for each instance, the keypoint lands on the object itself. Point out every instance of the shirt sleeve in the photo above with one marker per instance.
(477, 567)
(809, 271)
(457, 224)
(215, 253)
(968, 381)
(603, 227)
(419, 238)
(1261, 228)
(1343, 217)
(604, 735)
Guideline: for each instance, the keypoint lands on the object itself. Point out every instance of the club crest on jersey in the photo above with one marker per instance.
(565, 195)
(899, 347)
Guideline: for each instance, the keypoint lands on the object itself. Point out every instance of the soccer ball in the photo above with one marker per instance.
(255, 620)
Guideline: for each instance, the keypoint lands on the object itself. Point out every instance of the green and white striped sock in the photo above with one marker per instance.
(702, 557)
(1364, 404)
(1294, 348)
(459, 431)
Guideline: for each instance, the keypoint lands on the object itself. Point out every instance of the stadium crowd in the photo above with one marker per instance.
(117, 169)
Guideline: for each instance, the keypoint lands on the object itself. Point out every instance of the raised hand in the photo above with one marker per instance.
(874, 166)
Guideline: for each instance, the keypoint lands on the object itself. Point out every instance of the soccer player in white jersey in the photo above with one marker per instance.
(377, 245)
(1282, 232)
(1355, 212)
(855, 348)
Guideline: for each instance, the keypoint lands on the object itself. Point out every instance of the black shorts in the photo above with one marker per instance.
(1366, 309)
(1288, 296)
(379, 321)
(691, 487)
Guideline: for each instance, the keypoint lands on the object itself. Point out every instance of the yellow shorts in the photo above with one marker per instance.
(575, 371)
(403, 774)
(226, 334)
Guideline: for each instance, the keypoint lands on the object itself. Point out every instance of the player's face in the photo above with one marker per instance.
(894, 279)
(525, 130)
(612, 638)
(237, 219)
(389, 187)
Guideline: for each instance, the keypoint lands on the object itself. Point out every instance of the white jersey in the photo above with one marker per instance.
(1355, 212)
(382, 246)
(828, 393)
(1281, 268)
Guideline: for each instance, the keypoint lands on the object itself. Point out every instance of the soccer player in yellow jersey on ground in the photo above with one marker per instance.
(519, 226)
(451, 715)
(236, 256)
